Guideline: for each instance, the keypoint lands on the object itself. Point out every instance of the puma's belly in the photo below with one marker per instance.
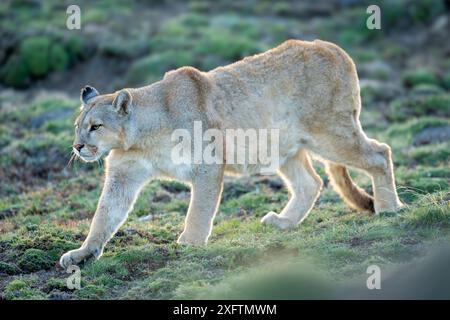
(265, 158)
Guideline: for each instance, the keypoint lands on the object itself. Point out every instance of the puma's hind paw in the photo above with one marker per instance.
(191, 240)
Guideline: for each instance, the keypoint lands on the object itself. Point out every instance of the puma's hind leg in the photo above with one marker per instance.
(370, 156)
(304, 185)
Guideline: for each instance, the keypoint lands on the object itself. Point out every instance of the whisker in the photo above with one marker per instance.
(70, 161)
(99, 162)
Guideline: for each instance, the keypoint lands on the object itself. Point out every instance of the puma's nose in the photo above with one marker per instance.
(78, 146)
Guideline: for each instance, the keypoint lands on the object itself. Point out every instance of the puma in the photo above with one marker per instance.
(307, 90)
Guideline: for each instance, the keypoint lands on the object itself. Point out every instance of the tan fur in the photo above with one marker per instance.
(307, 90)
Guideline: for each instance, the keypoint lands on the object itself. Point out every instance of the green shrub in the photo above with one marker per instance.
(55, 283)
(431, 155)
(59, 59)
(350, 37)
(39, 55)
(406, 131)
(427, 89)
(282, 8)
(155, 65)
(8, 268)
(421, 76)
(20, 289)
(425, 10)
(199, 6)
(404, 13)
(91, 292)
(95, 15)
(35, 52)
(15, 73)
(226, 44)
(402, 109)
(76, 48)
(393, 11)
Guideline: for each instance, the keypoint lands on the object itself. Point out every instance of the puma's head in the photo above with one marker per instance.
(102, 123)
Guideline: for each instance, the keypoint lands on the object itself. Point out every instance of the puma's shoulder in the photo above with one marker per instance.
(187, 84)
(188, 78)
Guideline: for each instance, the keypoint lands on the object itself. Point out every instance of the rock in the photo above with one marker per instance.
(273, 183)
(441, 24)
(432, 135)
(130, 231)
(146, 218)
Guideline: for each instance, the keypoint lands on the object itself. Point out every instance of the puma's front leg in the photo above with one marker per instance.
(122, 185)
(205, 198)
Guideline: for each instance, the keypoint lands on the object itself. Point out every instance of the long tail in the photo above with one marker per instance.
(343, 184)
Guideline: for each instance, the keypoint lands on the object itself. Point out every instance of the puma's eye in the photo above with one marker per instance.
(95, 127)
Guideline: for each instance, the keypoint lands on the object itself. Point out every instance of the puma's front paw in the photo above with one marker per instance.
(192, 239)
(277, 221)
(74, 257)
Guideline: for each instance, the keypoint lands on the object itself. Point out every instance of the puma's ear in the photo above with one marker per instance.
(122, 102)
(88, 93)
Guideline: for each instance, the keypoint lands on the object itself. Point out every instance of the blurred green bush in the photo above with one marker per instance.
(37, 56)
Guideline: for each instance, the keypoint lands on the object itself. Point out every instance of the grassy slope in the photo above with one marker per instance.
(46, 207)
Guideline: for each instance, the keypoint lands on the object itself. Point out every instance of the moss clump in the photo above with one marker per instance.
(34, 260)
(8, 268)
(226, 45)
(91, 292)
(402, 135)
(154, 66)
(43, 110)
(199, 6)
(20, 289)
(436, 105)
(56, 284)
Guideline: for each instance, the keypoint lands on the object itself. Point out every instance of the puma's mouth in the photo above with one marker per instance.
(91, 157)
(88, 157)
